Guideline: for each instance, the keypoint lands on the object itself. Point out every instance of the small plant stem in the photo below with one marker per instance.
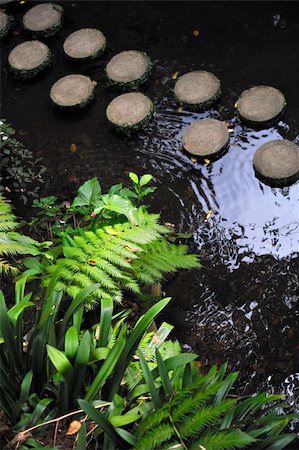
(55, 433)
(177, 432)
(61, 418)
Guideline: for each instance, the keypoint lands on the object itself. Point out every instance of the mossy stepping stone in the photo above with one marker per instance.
(43, 20)
(206, 138)
(84, 44)
(130, 112)
(277, 162)
(72, 91)
(128, 69)
(28, 59)
(197, 90)
(261, 105)
(5, 24)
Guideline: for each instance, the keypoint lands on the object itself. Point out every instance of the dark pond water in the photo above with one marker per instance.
(242, 306)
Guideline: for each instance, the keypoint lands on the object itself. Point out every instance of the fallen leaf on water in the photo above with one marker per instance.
(236, 105)
(73, 178)
(74, 427)
(195, 32)
(230, 130)
(73, 148)
(194, 159)
(175, 75)
(93, 82)
(208, 215)
(181, 109)
(207, 161)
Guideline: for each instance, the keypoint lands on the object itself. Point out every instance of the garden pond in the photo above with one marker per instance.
(242, 305)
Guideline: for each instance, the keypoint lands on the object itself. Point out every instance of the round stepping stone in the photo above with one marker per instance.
(28, 59)
(43, 20)
(277, 162)
(5, 24)
(197, 90)
(261, 105)
(84, 44)
(130, 112)
(206, 138)
(128, 69)
(72, 91)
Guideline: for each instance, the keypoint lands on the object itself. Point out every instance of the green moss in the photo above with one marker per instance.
(16, 73)
(131, 85)
(131, 129)
(197, 107)
(49, 31)
(4, 32)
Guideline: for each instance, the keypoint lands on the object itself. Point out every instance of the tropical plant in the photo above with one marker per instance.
(206, 415)
(21, 172)
(12, 242)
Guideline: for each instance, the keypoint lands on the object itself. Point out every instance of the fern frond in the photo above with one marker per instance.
(7, 268)
(205, 417)
(224, 440)
(155, 437)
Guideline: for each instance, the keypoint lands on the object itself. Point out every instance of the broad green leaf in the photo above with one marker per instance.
(98, 354)
(134, 177)
(83, 350)
(100, 419)
(168, 388)
(160, 335)
(61, 363)
(150, 381)
(105, 322)
(107, 367)
(88, 194)
(39, 410)
(81, 441)
(71, 343)
(125, 419)
(145, 179)
(119, 205)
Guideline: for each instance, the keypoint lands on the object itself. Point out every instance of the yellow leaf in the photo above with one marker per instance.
(110, 230)
(181, 109)
(74, 427)
(230, 130)
(209, 214)
(195, 32)
(175, 75)
(73, 148)
(194, 159)
(236, 105)
(207, 161)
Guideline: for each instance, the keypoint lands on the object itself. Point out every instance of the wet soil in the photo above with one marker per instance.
(242, 306)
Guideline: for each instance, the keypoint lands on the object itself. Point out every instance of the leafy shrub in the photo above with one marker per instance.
(21, 171)
(12, 242)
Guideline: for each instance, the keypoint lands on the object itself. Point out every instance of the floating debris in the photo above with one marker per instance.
(261, 105)
(130, 112)
(197, 90)
(72, 91)
(84, 44)
(28, 59)
(128, 70)
(277, 162)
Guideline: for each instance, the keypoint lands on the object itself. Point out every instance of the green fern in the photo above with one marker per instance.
(12, 242)
(118, 257)
(201, 417)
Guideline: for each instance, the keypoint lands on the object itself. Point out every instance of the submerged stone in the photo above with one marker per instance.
(72, 91)
(206, 138)
(128, 69)
(29, 58)
(277, 162)
(43, 20)
(5, 24)
(261, 105)
(197, 90)
(129, 112)
(87, 43)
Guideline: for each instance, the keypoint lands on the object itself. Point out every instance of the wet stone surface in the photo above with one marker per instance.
(261, 104)
(84, 43)
(127, 66)
(72, 90)
(206, 138)
(245, 232)
(42, 17)
(128, 110)
(277, 160)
